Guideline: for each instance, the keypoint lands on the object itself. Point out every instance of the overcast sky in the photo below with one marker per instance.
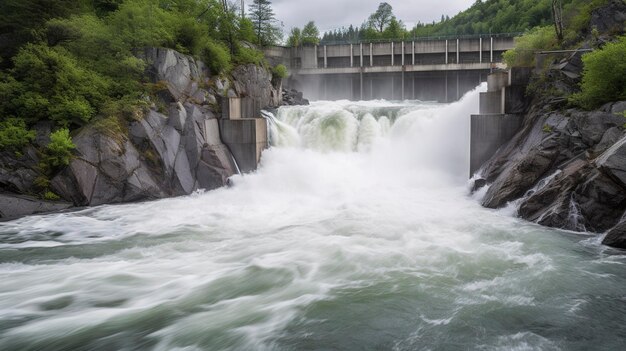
(331, 14)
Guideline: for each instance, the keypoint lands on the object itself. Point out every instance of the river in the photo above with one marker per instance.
(358, 232)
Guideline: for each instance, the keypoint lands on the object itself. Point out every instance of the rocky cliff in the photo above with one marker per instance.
(171, 148)
(566, 167)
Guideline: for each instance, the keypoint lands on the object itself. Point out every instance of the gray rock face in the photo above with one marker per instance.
(256, 82)
(163, 154)
(616, 237)
(586, 154)
(177, 70)
(106, 170)
(12, 206)
(609, 18)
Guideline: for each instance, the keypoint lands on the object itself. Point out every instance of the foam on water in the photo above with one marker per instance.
(356, 233)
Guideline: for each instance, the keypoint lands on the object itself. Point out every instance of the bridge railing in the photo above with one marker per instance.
(421, 38)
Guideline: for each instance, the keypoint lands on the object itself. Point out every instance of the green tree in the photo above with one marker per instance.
(295, 37)
(310, 34)
(604, 76)
(265, 23)
(380, 19)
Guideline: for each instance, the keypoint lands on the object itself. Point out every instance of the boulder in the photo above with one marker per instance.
(616, 237)
(107, 169)
(613, 162)
(13, 206)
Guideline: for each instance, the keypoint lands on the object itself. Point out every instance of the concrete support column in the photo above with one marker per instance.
(361, 84)
(446, 51)
(403, 84)
(392, 55)
(361, 54)
(458, 55)
(402, 53)
(393, 86)
(491, 50)
(325, 58)
(413, 54)
(446, 85)
(458, 93)
(371, 55)
(480, 47)
(351, 56)
(315, 58)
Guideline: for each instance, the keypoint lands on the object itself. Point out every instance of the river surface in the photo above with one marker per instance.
(356, 233)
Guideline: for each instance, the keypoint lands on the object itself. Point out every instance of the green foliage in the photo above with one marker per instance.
(14, 134)
(310, 34)
(265, 23)
(295, 37)
(381, 18)
(246, 55)
(604, 76)
(216, 55)
(59, 150)
(51, 196)
(523, 55)
(578, 15)
(48, 83)
(280, 71)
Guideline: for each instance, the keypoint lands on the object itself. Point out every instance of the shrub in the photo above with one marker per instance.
(540, 38)
(59, 150)
(14, 135)
(248, 55)
(216, 56)
(604, 76)
(279, 71)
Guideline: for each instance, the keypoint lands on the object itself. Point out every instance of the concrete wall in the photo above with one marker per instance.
(246, 138)
(243, 131)
(487, 134)
(443, 86)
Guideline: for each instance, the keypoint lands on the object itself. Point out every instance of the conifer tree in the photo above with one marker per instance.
(265, 23)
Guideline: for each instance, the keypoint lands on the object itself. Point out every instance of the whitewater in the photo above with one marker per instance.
(357, 232)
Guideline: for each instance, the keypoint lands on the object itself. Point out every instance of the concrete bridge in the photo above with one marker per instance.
(440, 69)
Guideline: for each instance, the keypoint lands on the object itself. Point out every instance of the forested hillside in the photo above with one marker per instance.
(483, 17)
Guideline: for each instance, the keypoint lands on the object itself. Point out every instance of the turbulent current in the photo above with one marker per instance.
(357, 232)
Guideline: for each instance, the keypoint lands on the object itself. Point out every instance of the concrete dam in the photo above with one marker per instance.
(427, 69)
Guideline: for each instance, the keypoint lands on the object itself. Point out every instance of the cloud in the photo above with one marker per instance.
(332, 14)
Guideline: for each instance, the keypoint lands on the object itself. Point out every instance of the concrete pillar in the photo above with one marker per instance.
(371, 55)
(393, 86)
(392, 55)
(458, 55)
(361, 54)
(446, 85)
(413, 85)
(480, 47)
(325, 58)
(403, 83)
(446, 51)
(315, 58)
(457, 86)
(371, 88)
(413, 54)
(351, 56)
(361, 84)
(402, 53)
(491, 50)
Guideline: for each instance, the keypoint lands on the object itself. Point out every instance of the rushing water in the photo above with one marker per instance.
(356, 233)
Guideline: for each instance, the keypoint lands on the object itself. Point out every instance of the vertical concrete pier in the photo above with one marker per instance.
(244, 131)
(500, 116)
